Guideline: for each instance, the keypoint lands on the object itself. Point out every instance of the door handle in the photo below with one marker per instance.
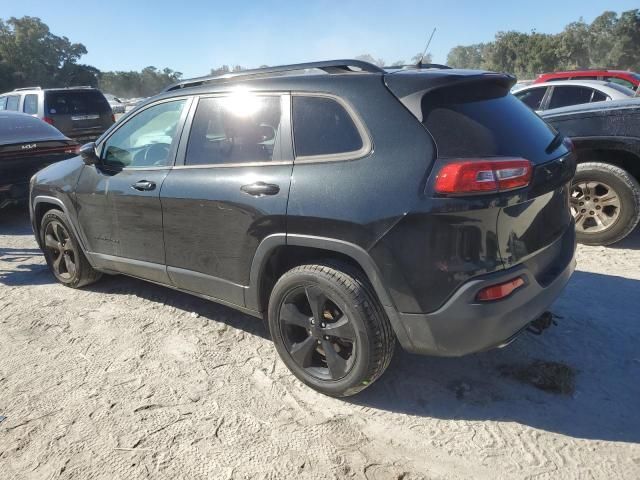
(259, 189)
(144, 185)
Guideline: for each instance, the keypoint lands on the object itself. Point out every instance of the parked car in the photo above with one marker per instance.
(349, 206)
(27, 144)
(547, 96)
(117, 105)
(626, 79)
(521, 84)
(605, 193)
(80, 113)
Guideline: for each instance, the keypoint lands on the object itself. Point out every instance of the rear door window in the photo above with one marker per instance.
(484, 121)
(322, 127)
(532, 98)
(3, 103)
(570, 95)
(76, 102)
(236, 129)
(30, 105)
(12, 102)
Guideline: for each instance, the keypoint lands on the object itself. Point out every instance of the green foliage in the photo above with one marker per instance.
(145, 83)
(610, 41)
(31, 55)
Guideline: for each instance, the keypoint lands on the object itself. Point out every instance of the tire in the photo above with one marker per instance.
(347, 306)
(56, 236)
(612, 181)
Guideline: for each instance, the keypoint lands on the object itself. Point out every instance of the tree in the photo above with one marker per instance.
(147, 82)
(467, 57)
(365, 57)
(31, 55)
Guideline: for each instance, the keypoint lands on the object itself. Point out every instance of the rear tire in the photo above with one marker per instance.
(604, 182)
(63, 253)
(329, 328)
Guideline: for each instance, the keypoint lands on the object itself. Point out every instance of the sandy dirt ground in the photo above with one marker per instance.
(127, 380)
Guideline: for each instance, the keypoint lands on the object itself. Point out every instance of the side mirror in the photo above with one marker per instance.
(88, 154)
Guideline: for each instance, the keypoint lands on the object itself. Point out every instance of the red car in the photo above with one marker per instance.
(622, 77)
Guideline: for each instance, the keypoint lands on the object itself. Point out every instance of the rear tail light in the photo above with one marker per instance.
(113, 118)
(499, 291)
(49, 120)
(483, 176)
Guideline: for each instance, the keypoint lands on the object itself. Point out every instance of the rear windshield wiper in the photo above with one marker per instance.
(555, 143)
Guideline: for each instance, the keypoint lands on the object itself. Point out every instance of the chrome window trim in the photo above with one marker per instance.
(367, 144)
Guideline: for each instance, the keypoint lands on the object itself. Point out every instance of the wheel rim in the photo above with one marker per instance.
(317, 333)
(595, 206)
(59, 249)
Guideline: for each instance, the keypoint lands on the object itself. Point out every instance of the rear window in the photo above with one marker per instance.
(621, 88)
(321, 126)
(484, 121)
(76, 102)
(18, 128)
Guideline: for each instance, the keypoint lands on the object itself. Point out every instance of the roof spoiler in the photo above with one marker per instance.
(410, 89)
(330, 66)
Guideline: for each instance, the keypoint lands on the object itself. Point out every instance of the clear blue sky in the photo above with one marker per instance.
(192, 36)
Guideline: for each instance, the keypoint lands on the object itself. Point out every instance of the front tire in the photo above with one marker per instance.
(605, 202)
(63, 253)
(329, 328)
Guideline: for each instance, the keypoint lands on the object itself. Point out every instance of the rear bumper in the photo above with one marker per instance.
(463, 325)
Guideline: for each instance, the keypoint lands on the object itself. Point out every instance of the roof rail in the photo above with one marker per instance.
(420, 66)
(26, 88)
(330, 66)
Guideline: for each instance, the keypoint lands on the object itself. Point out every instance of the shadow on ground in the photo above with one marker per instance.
(632, 241)
(598, 338)
(14, 220)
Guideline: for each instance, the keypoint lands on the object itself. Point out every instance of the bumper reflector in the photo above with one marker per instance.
(499, 291)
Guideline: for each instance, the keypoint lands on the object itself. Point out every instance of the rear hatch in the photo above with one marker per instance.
(82, 114)
(474, 118)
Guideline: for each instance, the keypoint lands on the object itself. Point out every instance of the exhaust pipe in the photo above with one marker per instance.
(541, 323)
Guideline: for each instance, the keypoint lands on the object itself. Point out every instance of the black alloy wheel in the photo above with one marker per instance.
(317, 333)
(61, 251)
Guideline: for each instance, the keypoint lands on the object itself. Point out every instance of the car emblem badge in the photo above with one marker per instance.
(29, 146)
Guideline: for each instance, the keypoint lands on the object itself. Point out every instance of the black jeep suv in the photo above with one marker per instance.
(348, 204)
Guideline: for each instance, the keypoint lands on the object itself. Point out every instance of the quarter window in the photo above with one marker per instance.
(239, 128)
(30, 104)
(146, 140)
(3, 103)
(12, 102)
(321, 126)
